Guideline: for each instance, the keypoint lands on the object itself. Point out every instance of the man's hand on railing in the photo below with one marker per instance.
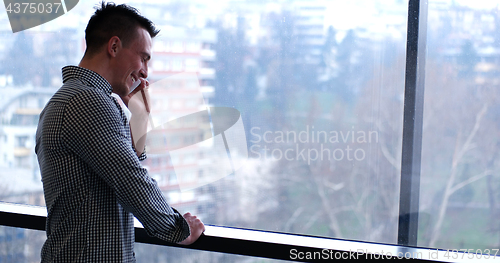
(196, 227)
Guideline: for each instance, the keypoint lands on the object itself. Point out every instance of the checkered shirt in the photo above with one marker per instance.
(92, 178)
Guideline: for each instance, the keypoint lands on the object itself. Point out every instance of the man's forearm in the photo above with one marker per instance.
(139, 107)
(140, 144)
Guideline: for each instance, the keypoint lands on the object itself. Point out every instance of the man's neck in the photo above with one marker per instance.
(97, 63)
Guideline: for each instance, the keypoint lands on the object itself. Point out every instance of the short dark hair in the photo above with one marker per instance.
(115, 20)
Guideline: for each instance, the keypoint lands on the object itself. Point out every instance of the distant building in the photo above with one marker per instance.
(20, 180)
(309, 27)
(467, 38)
(19, 112)
(183, 60)
(179, 50)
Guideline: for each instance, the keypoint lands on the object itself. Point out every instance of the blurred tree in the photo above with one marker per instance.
(329, 66)
(39, 60)
(281, 75)
(467, 60)
(20, 62)
(352, 62)
(456, 148)
(230, 49)
(496, 31)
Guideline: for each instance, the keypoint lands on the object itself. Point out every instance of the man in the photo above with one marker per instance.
(92, 178)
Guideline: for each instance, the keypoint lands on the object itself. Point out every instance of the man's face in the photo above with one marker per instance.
(132, 63)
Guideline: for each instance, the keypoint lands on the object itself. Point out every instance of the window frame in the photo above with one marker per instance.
(246, 242)
(409, 193)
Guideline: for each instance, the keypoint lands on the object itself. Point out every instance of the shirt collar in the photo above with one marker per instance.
(88, 76)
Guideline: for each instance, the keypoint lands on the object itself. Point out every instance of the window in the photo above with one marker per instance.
(177, 65)
(318, 90)
(459, 181)
(192, 65)
(193, 47)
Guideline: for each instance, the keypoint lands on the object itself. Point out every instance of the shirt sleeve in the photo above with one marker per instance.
(143, 155)
(94, 130)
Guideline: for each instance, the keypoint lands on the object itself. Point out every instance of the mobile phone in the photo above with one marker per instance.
(135, 85)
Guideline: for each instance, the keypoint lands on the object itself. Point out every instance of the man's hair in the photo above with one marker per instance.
(115, 20)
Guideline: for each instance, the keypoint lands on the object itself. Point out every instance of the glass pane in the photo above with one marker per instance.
(24, 245)
(296, 110)
(460, 154)
(20, 245)
(319, 100)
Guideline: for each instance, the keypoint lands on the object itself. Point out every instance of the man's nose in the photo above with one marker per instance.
(143, 73)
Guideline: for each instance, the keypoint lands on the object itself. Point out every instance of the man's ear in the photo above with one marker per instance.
(114, 45)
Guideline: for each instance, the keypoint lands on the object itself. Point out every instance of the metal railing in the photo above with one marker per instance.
(246, 242)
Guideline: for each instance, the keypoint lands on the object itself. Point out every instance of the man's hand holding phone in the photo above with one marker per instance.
(138, 102)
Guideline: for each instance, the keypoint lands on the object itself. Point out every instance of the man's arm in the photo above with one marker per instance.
(93, 129)
(138, 104)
